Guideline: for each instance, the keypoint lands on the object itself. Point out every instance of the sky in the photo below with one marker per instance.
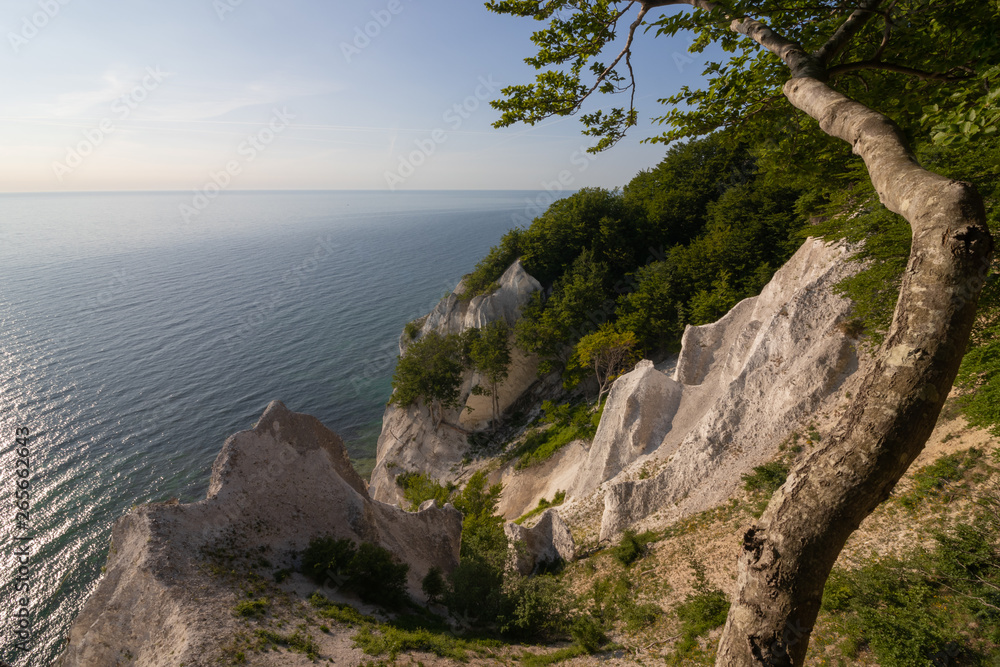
(106, 95)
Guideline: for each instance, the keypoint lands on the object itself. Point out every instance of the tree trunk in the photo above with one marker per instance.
(788, 554)
(496, 401)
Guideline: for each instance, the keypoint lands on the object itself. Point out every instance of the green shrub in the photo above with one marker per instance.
(639, 616)
(483, 591)
(252, 608)
(419, 488)
(326, 557)
(475, 592)
(931, 605)
(369, 570)
(632, 547)
(588, 633)
(896, 612)
(568, 421)
(412, 329)
(701, 611)
(613, 599)
(433, 584)
(538, 608)
(767, 478)
(377, 577)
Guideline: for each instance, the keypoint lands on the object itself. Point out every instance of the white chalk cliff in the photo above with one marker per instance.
(669, 446)
(409, 441)
(273, 488)
(671, 441)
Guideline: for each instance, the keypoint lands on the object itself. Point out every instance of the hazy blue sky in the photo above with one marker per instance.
(137, 94)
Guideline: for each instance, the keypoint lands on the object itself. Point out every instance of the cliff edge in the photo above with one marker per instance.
(409, 441)
(162, 602)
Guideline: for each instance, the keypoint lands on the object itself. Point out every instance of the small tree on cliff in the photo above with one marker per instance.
(607, 352)
(431, 369)
(488, 351)
(868, 73)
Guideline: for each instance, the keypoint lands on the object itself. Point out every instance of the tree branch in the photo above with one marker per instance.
(625, 53)
(801, 63)
(844, 68)
(848, 29)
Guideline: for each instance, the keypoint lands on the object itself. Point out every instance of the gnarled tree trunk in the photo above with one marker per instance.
(788, 554)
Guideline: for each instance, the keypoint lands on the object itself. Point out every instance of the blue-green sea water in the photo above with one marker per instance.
(133, 342)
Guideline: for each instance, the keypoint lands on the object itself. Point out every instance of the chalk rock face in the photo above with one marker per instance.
(638, 414)
(522, 489)
(273, 488)
(547, 541)
(516, 287)
(454, 314)
(773, 361)
(409, 440)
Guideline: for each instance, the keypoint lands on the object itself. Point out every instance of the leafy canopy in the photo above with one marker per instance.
(608, 353)
(488, 351)
(431, 369)
(928, 65)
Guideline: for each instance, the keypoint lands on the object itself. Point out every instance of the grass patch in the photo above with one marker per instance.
(407, 632)
(932, 606)
(566, 423)
(299, 641)
(701, 611)
(632, 547)
(342, 613)
(391, 641)
(767, 478)
(562, 655)
(252, 608)
(943, 479)
(762, 482)
(418, 488)
(543, 505)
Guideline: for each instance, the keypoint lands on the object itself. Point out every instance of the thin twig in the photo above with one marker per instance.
(893, 67)
(625, 53)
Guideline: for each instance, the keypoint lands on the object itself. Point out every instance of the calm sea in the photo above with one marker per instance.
(133, 342)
